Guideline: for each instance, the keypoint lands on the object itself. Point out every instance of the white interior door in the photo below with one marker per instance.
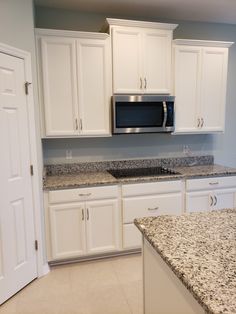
(17, 253)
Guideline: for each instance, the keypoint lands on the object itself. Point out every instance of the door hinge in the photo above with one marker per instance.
(31, 170)
(36, 246)
(27, 88)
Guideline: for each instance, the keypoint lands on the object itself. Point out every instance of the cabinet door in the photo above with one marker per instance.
(224, 199)
(59, 85)
(198, 201)
(127, 71)
(157, 61)
(102, 226)
(94, 81)
(213, 90)
(67, 227)
(187, 67)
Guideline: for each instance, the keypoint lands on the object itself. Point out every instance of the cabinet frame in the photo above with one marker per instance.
(203, 121)
(77, 129)
(143, 81)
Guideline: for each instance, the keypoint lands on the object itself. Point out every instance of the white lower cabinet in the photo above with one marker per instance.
(218, 193)
(87, 225)
(148, 199)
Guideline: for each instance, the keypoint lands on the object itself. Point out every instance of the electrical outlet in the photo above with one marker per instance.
(68, 154)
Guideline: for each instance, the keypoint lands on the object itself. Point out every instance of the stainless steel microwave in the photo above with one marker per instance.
(143, 113)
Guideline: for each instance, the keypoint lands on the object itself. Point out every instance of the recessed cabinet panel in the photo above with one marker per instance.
(93, 86)
(127, 71)
(59, 85)
(197, 201)
(187, 89)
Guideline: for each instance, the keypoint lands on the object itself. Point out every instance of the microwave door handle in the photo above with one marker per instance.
(165, 114)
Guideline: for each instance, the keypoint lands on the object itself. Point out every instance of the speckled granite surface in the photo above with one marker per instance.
(70, 168)
(94, 178)
(200, 248)
(205, 170)
(80, 179)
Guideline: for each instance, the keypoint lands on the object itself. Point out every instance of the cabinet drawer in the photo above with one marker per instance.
(82, 194)
(151, 188)
(211, 183)
(132, 237)
(168, 204)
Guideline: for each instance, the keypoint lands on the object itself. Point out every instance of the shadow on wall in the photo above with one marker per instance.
(124, 146)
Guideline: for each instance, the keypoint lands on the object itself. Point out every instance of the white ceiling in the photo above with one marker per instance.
(220, 11)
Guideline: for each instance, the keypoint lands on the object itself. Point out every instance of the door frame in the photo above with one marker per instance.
(37, 191)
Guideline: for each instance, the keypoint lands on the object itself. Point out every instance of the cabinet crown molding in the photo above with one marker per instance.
(206, 43)
(133, 23)
(65, 33)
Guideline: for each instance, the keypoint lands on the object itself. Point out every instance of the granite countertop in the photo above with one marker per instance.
(205, 171)
(200, 248)
(102, 177)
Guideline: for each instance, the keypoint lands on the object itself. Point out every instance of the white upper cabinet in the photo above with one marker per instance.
(200, 73)
(75, 83)
(141, 54)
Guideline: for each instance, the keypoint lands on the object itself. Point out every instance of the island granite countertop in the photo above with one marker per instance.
(200, 248)
(76, 179)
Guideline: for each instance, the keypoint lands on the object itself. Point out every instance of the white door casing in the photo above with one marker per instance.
(18, 264)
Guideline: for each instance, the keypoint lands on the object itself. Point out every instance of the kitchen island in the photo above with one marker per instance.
(189, 263)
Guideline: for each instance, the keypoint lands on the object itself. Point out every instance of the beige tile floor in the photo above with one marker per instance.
(109, 286)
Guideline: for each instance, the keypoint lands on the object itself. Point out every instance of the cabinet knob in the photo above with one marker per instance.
(82, 214)
(214, 183)
(87, 214)
(81, 124)
(154, 208)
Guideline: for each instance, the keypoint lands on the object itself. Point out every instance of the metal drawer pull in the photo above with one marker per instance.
(85, 194)
(141, 83)
(198, 122)
(145, 83)
(211, 200)
(202, 122)
(213, 183)
(76, 124)
(215, 200)
(82, 214)
(87, 214)
(155, 208)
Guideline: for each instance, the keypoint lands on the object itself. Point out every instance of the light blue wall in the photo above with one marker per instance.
(147, 145)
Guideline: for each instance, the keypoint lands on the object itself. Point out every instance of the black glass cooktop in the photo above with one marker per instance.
(141, 172)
